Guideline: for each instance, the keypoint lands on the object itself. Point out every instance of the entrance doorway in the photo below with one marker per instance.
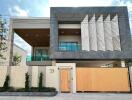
(65, 80)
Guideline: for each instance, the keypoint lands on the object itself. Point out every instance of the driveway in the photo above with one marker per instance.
(78, 96)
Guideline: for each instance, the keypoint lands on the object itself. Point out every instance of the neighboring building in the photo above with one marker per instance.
(21, 53)
(17, 51)
(78, 49)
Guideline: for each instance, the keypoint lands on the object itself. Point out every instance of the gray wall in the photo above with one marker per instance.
(76, 15)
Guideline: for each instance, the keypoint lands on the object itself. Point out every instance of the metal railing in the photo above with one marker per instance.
(38, 58)
(69, 47)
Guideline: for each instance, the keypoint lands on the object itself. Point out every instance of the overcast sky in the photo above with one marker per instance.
(41, 8)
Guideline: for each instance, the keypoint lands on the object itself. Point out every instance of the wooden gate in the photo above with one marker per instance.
(65, 80)
(103, 79)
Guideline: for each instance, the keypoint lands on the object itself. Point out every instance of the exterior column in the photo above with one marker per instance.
(53, 34)
(10, 47)
(92, 34)
(108, 34)
(123, 63)
(85, 34)
(115, 33)
(100, 33)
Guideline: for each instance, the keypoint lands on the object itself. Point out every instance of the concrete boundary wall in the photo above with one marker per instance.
(3, 71)
(17, 76)
(53, 75)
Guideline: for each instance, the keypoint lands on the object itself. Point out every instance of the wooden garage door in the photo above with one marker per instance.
(103, 79)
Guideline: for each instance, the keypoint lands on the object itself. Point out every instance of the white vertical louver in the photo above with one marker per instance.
(100, 33)
(108, 34)
(92, 34)
(85, 34)
(115, 33)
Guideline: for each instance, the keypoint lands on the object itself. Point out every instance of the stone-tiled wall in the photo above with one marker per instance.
(113, 20)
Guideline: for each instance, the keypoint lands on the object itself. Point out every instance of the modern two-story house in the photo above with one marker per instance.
(78, 49)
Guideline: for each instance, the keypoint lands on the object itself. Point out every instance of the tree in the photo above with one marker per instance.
(40, 81)
(3, 36)
(27, 82)
(16, 59)
(6, 83)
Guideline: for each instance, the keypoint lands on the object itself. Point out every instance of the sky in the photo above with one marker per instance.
(41, 8)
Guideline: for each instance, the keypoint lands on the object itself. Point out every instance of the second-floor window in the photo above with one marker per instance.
(69, 46)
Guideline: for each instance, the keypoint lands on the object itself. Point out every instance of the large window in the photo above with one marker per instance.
(69, 46)
(39, 55)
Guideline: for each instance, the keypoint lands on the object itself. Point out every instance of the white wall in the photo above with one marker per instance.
(53, 77)
(21, 52)
(35, 76)
(17, 76)
(3, 71)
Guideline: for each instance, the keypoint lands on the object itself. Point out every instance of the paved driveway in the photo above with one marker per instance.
(78, 96)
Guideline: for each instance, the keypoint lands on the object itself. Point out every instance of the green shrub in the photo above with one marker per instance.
(43, 89)
(6, 83)
(27, 82)
(47, 89)
(2, 89)
(12, 89)
(40, 81)
(34, 89)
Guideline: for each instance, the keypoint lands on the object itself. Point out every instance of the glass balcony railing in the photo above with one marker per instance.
(69, 47)
(38, 58)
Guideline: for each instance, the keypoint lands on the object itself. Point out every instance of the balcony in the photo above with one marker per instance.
(69, 46)
(38, 60)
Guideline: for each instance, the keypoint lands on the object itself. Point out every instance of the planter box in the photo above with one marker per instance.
(49, 94)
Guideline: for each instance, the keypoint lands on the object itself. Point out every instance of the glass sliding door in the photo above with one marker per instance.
(69, 46)
(40, 55)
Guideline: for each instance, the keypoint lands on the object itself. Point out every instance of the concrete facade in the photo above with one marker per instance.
(16, 51)
(21, 52)
(118, 17)
(105, 35)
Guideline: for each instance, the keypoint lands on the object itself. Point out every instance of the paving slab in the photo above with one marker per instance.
(77, 96)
